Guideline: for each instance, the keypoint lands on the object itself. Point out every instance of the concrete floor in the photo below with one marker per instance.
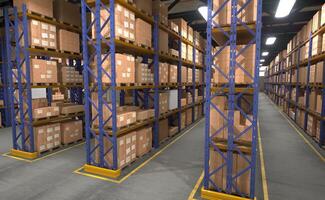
(293, 170)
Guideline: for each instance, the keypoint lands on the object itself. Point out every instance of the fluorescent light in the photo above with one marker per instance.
(284, 8)
(265, 53)
(203, 10)
(262, 73)
(262, 60)
(270, 40)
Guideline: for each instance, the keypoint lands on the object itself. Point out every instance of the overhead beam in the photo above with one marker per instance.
(173, 4)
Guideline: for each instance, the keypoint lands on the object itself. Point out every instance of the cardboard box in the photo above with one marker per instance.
(142, 73)
(163, 102)
(42, 34)
(145, 114)
(183, 120)
(172, 99)
(163, 41)
(143, 35)
(163, 130)
(163, 72)
(189, 75)
(316, 21)
(183, 102)
(319, 72)
(45, 112)
(184, 51)
(216, 120)
(182, 24)
(159, 8)
(144, 5)
(188, 117)
(71, 108)
(317, 45)
(190, 33)
(43, 7)
(322, 21)
(184, 74)
(173, 130)
(71, 131)
(319, 101)
(67, 12)
(172, 74)
(144, 141)
(131, 147)
(173, 26)
(190, 53)
(69, 41)
(43, 71)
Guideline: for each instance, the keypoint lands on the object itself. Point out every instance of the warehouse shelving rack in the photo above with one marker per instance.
(4, 89)
(108, 47)
(18, 53)
(307, 86)
(232, 35)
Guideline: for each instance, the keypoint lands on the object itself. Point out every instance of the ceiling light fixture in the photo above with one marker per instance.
(203, 10)
(262, 60)
(270, 40)
(265, 53)
(284, 8)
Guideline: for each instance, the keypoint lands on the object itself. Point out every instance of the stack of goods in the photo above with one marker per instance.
(70, 75)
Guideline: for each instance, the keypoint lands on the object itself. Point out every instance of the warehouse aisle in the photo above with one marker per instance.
(293, 170)
(171, 175)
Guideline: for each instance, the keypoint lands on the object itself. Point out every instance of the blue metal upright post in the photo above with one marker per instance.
(322, 121)
(193, 78)
(297, 84)
(179, 82)
(156, 81)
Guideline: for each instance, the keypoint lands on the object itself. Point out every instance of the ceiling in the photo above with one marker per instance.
(284, 29)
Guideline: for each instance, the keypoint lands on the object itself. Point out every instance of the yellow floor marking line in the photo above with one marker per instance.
(78, 171)
(43, 157)
(263, 173)
(301, 134)
(196, 187)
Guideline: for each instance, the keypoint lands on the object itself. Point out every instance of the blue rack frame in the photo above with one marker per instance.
(233, 96)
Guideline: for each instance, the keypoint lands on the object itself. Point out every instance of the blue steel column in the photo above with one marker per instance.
(322, 121)
(307, 84)
(208, 98)
(231, 95)
(156, 81)
(193, 78)
(5, 81)
(179, 82)
(8, 26)
(86, 79)
(256, 100)
(297, 85)
(290, 86)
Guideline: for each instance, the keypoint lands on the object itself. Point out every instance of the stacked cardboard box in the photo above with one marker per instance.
(163, 102)
(183, 120)
(145, 114)
(188, 117)
(142, 73)
(67, 12)
(42, 34)
(69, 41)
(69, 108)
(173, 26)
(160, 8)
(184, 74)
(124, 23)
(144, 5)
(70, 75)
(189, 75)
(182, 25)
(163, 41)
(172, 99)
(144, 141)
(43, 71)
(163, 130)
(71, 131)
(43, 7)
(190, 34)
(125, 68)
(184, 51)
(44, 112)
(183, 102)
(143, 33)
(190, 53)
(172, 74)
(310, 125)
(163, 72)
(57, 96)
(47, 137)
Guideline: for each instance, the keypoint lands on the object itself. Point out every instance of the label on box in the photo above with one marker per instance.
(131, 26)
(49, 138)
(45, 35)
(128, 121)
(132, 17)
(36, 41)
(134, 138)
(119, 8)
(126, 33)
(119, 62)
(56, 135)
(36, 66)
(39, 111)
(42, 147)
(34, 22)
(44, 26)
(128, 140)
(57, 128)
(43, 76)
(133, 115)
(126, 24)
(133, 147)
(126, 14)
(52, 36)
(121, 142)
(56, 109)
(131, 35)
(48, 114)
(52, 28)
(128, 150)
(49, 146)
(45, 43)
(57, 143)
(48, 76)
(119, 31)
(52, 44)
(122, 118)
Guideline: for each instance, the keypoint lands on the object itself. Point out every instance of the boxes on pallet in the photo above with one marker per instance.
(183, 120)
(43, 71)
(182, 25)
(130, 147)
(319, 101)
(145, 114)
(125, 68)
(124, 23)
(172, 99)
(184, 51)
(69, 41)
(216, 120)
(188, 116)
(67, 12)
(163, 41)
(163, 130)
(142, 73)
(173, 52)
(47, 137)
(189, 75)
(163, 102)
(160, 8)
(144, 141)
(71, 131)
(43, 7)
(190, 33)
(241, 124)
(190, 53)
(172, 74)
(70, 75)
(316, 21)
(42, 34)
(184, 74)
(163, 72)
(69, 108)
(173, 26)
(196, 38)
(144, 5)
(312, 73)
(319, 72)
(142, 32)
(45, 112)
(322, 21)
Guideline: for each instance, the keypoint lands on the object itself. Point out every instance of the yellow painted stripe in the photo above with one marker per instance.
(16, 158)
(78, 171)
(263, 173)
(196, 187)
(322, 158)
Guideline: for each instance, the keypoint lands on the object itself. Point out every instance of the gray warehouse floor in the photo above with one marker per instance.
(293, 169)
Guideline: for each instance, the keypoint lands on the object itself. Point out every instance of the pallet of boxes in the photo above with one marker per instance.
(56, 121)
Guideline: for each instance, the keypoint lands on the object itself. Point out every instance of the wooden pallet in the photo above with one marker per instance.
(41, 15)
(43, 48)
(125, 40)
(73, 143)
(45, 118)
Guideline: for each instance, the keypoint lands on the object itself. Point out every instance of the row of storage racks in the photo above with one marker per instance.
(295, 79)
(137, 89)
(232, 72)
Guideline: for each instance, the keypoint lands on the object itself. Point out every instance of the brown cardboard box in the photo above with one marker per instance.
(142, 73)
(189, 75)
(190, 53)
(184, 51)
(65, 11)
(322, 15)
(183, 102)
(131, 147)
(163, 130)
(317, 45)
(163, 41)
(145, 114)
(144, 137)
(183, 120)
(190, 33)
(172, 74)
(312, 73)
(43, 7)
(161, 9)
(144, 5)
(163, 72)
(216, 120)
(74, 108)
(215, 162)
(71, 131)
(316, 21)
(143, 33)
(319, 101)
(182, 24)
(312, 100)
(43, 71)
(69, 41)
(173, 131)
(173, 26)
(188, 117)
(319, 72)
(44, 112)
(223, 16)
(40, 138)
(184, 74)
(163, 102)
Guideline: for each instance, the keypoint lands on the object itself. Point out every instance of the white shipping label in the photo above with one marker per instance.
(131, 26)
(45, 26)
(45, 43)
(48, 114)
(128, 150)
(141, 137)
(39, 111)
(128, 121)
(34, 22)
(36, 41)
(49, 71)
(119, 8)
(52, 44)
(133, 147)
(57, 128)
(45, 35)
(128, 140)
(128, 75)
(119, 31)
(121, 142)
(56, 135)
(56, 109)
(132, 17)
(57, 143)
(126, 33)
(42, 147)
(122, 118)
(123, 75)
(126, 13)
(51, 36)
(131, 35)
(36, 66)
(119, 62)
(133, 115)
(48, 76)
(49, 130)
(52, 28)
(49, 138)
(126, 24)
(134, 138)
(48, 62)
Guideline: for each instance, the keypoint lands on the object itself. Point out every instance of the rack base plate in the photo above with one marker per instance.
(102, 171)
(24, 154)
(212, 195)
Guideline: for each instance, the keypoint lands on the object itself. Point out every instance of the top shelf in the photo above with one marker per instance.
(147, 18)
(243, 35)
